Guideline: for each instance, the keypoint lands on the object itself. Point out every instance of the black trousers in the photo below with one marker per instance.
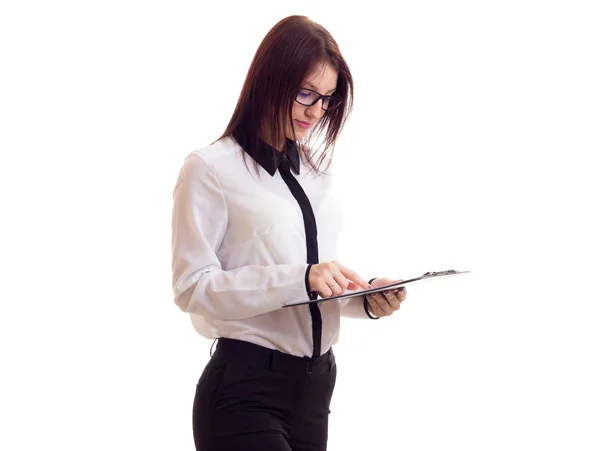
(252, 398)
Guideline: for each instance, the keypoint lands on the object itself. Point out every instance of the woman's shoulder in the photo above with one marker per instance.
(221, 159)
(224, 148)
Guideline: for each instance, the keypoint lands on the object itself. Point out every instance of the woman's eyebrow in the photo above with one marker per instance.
(315, 88)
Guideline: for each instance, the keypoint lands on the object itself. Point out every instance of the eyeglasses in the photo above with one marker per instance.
(308, 97)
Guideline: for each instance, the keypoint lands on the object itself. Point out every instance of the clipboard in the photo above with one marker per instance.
(352, 294)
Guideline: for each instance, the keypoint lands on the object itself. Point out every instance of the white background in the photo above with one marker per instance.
(473, 145)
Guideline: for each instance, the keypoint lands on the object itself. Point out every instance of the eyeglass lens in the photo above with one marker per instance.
(307, 97)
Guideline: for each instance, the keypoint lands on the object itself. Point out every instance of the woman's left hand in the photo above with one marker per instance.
(387, 302)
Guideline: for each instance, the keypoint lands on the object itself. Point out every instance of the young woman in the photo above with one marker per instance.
(254, 227)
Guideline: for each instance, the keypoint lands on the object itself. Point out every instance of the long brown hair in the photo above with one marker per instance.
(292, 50)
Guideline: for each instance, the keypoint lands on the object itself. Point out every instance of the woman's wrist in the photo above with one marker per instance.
(366, 303)
(312, 295)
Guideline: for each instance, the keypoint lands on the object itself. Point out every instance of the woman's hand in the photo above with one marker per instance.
(331, 278)
(387, 302)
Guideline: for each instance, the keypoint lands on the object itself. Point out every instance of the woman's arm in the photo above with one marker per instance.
(200, 284)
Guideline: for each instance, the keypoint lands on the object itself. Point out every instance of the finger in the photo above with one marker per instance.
(373, 307)
(324, 289)
(400, 293)
(352, 286)
(376, 308)
(335, 281)
(341, 281)
(392, 296)
(393, 300)
(380, 303)
(352, 276)
(388, 305)
(335, 286)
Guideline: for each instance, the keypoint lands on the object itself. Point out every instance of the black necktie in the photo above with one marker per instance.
(312, 248)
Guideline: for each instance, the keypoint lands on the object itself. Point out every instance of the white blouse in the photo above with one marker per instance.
(239, 251)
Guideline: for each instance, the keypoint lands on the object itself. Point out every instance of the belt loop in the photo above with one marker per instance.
(330, 357)
(272, 360)
(211, 347)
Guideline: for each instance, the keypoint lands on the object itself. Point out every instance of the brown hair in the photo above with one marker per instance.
(293, 49)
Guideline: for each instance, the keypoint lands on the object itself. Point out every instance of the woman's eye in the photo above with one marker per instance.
(304, 93)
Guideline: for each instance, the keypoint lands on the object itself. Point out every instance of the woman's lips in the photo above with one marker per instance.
(303, 124)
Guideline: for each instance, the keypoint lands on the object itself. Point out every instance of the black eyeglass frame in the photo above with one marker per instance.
(337, 100)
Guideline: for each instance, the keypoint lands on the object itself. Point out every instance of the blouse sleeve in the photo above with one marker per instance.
(200, 285)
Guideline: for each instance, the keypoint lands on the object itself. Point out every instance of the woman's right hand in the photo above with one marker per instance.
(331, 279)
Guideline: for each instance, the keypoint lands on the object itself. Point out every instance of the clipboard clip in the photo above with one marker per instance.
(440, 273)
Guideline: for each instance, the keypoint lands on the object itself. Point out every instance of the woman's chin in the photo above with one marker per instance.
(300, 133)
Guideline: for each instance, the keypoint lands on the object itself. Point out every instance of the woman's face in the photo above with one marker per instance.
(323, 81)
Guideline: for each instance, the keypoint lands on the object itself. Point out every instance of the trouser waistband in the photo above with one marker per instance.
(274, 360)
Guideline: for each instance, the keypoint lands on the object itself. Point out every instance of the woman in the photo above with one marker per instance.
(247, 211)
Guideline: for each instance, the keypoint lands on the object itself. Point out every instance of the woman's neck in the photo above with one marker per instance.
(270, 140)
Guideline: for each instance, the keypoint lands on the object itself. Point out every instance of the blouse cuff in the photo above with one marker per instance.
(366, 303)
(312, 295)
